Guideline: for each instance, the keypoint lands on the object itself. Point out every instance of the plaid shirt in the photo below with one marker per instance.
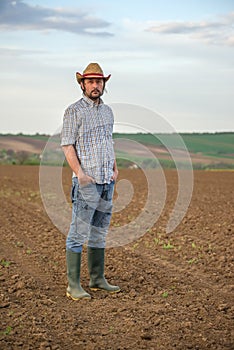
(89, 128)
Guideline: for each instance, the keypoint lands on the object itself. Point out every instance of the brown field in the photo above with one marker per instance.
(177, 288)
(21, 143)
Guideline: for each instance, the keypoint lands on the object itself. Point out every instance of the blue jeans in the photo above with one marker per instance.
(91, 215)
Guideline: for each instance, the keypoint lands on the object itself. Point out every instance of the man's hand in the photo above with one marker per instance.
(115, 175)
(74, 163)
(84, 179)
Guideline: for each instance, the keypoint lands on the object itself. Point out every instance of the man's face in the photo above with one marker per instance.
(93, 88)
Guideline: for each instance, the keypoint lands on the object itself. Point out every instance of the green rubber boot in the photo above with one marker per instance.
(96, 261)
(74, 289)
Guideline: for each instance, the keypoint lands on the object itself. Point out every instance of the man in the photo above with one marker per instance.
(86, 140)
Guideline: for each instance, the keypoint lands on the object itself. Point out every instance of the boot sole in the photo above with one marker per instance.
(75, 299)
(105, 290)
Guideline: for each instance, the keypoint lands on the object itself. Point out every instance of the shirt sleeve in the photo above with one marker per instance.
(70, 127)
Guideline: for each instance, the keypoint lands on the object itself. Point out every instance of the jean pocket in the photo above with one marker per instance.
(74, 191)
(90, 184)
(89, 194)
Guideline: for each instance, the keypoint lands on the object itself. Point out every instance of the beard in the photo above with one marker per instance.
(95, 94)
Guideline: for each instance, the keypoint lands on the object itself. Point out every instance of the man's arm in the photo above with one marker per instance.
(74, 164)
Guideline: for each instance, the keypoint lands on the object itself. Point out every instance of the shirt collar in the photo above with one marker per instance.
(91, 102)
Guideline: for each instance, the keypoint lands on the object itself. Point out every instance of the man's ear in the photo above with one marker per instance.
(82, 85)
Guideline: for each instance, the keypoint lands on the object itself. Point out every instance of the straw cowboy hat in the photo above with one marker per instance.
(93, 70)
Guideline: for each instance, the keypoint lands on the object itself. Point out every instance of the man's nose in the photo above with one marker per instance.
(94, 84)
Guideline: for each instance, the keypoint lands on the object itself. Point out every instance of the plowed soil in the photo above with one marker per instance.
(176, 289)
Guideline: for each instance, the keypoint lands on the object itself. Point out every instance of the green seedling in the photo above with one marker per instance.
(156, 240)
(111, 329)
(5, 263)
(168, 246)
(149, 230)
(192, 261)
(7, 330)
(116, 224)
(147, 244)
(165, 294)
(19, 244)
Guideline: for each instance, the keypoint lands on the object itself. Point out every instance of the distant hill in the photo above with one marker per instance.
(20, 142)
(207, 150)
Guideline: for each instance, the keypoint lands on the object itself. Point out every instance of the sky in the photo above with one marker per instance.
(172, 57)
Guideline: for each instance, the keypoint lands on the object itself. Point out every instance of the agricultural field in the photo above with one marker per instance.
(176, 288)
(207, 151)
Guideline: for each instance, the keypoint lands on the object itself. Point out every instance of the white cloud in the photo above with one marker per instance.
(219, 32)
(14, 52)
(17, 15)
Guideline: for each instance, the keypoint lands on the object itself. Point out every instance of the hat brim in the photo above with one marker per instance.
(80, 76)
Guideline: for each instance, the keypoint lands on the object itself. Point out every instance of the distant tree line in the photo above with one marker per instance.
(19, 157)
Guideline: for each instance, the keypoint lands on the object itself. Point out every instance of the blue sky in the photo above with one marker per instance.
(173, 57)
